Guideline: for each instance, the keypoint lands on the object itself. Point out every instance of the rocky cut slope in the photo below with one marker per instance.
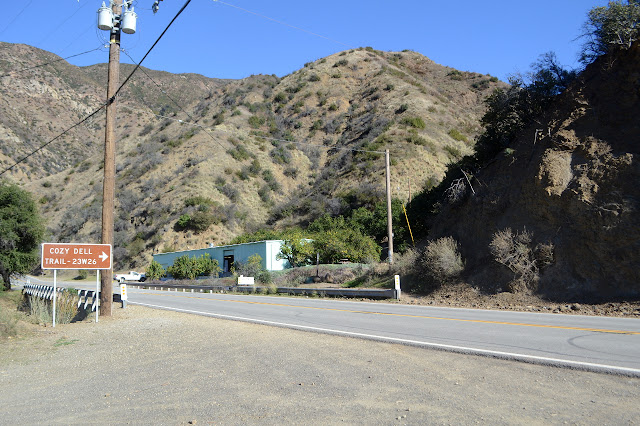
(568, 190)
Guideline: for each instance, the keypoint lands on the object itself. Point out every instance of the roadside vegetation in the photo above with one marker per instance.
(18, 311)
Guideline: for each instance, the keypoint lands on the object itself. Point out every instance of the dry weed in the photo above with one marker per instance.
(514, 251)
(443, 260)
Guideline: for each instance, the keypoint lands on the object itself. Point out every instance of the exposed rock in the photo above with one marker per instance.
(576, 189)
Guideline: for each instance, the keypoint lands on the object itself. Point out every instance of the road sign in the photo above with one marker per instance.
(76, 256)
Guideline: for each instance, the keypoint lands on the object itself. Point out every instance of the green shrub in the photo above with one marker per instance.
(239, 153)
(280, 155)
(201, 221)
(317, 125)
(455, 134)
(453, 151)
(415, 122)
(198, 200)
(185, 267)
(281, 98)
(455, 75)
(251, 268)
(402, 108)
(208, 266)
(417, 139)
(510, 110)
(256, 121)
(183, 221)
(154, 271)
(336, 239)
(611, 27)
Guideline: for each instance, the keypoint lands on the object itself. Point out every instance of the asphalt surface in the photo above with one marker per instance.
(592, 343)
(151, 366)
(581, 342)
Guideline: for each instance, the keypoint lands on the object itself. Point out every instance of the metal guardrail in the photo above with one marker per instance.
(41, 291)
(46, 292)
(89, 296)
(333, 292)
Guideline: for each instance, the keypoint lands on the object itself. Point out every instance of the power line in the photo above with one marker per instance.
(77, 38)
(41, 147)
(62, 23)
(175, 102)
(108, 102)
(51, 62)
(284, 23)
(148, 51)
(16, 17)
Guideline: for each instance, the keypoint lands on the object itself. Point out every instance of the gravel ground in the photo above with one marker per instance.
(159, 367)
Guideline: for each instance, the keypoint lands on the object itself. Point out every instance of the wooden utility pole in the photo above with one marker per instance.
(108, 185)
(389, 215)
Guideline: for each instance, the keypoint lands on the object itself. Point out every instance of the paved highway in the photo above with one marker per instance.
(581, 342)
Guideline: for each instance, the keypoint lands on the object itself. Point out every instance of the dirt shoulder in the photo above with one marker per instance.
(152, 366)
(465, 296)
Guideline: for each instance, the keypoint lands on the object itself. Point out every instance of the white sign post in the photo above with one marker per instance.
(55, 275)
(97, 291)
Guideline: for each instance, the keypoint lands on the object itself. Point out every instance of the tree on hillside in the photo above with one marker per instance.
(21, 232)
(374, 223)
(296, 249)
(510, 110)
(336, 238)
(615, 26)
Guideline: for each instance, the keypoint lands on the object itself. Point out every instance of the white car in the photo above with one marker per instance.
(131, 276)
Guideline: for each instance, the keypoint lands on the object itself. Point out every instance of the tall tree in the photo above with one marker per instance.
(610, 27)
(21, 232)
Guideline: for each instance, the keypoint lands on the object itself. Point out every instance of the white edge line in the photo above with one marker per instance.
(532, 359)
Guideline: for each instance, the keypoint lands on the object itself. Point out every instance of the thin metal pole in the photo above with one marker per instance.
(108, 191)
(55, 276)
(389, 215)
(97, 290)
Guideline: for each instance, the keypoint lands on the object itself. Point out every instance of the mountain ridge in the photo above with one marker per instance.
(261, 150)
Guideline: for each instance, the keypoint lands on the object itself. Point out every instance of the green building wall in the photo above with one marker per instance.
(267, 250)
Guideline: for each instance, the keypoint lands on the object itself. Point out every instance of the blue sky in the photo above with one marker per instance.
(219, 39)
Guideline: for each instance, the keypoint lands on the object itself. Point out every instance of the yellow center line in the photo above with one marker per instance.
(599, 330)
